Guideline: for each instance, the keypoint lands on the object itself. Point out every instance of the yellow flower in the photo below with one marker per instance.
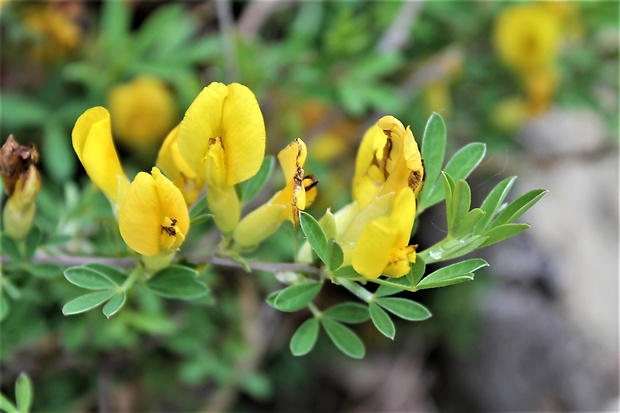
(153, 217)
(22, 183)
(170, 161)
(56, 34)
(299, 193)
(222, 139)
(152, 214)
(527, 36)
(92, 142)
(375, 239)
(387, 161)
(143, 110)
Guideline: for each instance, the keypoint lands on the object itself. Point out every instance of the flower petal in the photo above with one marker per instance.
(139, 217)
(92, 142)
(202, 122)
(243, 134)
(374, 248)
(153, 218)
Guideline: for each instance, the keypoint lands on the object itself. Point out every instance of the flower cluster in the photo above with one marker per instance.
(375, 228)
(221, 142)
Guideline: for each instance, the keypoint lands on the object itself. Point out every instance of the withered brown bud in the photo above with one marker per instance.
(15, 161)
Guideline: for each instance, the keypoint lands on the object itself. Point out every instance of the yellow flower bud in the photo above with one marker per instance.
(299, 193)
(22, 182)
(143, 110)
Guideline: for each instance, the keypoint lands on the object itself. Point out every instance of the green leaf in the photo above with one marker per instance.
(271, 298)
(305, 337)
(201, 218)
(6, 405)
(19, 111)
(502, 232)
(87, 302)
(492, 203)
(88, 278)
(465, 160)
(149, 32)
(335, 255)
(404, 308)
(9, 248)
(315, 236)
(33, 239)
(467, 223)
(344, 338)
(461, 201)
(395, 285)
(199, 208)
(346, 272)
(418, 268)
(177, 281)
(382, 320)
(518, 207)
(296, 297)
(452, 274)
(4, 307)
(252, 186)
(433, 152)
(449, 249)
(115, 304)
(459, 167)
(352, 313)
(45, 270)
(112, 273)
(115, 23)
(23, 393)
(384, 290)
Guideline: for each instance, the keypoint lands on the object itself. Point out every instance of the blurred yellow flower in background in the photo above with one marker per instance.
(222, 139)
(55, 34)
(527, 36)
(298, 194)
(144, 111)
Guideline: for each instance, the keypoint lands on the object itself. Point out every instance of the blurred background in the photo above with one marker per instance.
(536, 81)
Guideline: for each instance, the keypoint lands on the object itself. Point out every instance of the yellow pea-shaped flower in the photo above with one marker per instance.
(222, 139)
(299, 193)
(387, 161)
(153, 218)
(92, 142)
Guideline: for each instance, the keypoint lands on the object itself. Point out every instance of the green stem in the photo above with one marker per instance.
(315, 311)
(359, 291)
(135, 274)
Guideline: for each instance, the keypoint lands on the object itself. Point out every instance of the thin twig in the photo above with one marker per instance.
(70, 261)
(396, 36)
(255, 14)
